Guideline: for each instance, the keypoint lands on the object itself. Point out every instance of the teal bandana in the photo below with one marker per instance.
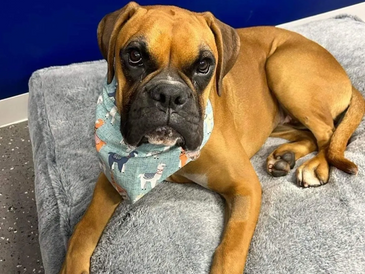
(134, 171)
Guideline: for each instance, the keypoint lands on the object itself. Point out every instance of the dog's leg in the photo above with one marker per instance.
(88, 231)
(319, 121)
(282, 159)
(239, 185)
(315, 172)
(314, 91)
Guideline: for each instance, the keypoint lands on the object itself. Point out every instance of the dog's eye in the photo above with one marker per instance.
(135, 58)
(203, 66)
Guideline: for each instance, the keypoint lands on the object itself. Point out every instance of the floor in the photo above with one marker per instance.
(19, 247)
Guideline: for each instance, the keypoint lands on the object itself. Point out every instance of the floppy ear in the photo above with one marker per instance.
(228, 46)
(108, 30)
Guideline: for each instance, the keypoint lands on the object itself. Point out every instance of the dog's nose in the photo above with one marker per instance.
(169, 96)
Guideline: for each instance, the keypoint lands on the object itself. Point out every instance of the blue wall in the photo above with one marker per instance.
(41, 33)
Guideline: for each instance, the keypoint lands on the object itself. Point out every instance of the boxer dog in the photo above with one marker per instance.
(261, 82)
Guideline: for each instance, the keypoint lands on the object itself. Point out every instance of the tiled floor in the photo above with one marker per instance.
(19, 247)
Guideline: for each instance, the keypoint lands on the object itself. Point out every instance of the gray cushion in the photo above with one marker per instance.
(176, 228)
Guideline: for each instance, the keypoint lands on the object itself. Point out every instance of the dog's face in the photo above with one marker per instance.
(166, 61)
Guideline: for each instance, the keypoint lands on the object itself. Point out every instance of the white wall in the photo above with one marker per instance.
(358, 10)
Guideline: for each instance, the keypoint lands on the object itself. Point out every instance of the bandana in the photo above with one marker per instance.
(134, 171)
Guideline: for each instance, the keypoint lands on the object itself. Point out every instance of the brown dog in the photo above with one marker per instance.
(260, 81)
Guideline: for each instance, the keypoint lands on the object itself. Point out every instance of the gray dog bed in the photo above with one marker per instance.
(176, 228)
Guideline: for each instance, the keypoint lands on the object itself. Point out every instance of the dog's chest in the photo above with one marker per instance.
(200, 179)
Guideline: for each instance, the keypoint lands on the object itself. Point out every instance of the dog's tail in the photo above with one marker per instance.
(339, 139)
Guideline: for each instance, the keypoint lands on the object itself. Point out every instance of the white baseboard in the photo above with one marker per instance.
(358, 10)
(15, 109)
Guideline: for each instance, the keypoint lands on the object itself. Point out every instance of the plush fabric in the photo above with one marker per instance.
(176, 228)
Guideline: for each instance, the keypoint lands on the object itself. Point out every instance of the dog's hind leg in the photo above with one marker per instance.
(282, 159)
(315, 171)
(315, 115)
(314, 89)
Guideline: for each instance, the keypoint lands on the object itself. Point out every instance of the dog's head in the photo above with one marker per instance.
(166, 61)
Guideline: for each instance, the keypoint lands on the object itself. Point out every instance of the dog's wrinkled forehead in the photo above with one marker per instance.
(171, 35)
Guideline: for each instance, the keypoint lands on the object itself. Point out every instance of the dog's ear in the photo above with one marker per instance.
(228, 46)
(108, 30)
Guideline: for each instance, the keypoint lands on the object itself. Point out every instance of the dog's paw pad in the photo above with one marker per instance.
(289, 157)
(281, 164)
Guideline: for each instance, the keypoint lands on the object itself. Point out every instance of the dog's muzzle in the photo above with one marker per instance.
(163, 112)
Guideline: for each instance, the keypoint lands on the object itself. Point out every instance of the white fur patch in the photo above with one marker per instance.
(200, 179)
(308, 178)
(163, 136)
